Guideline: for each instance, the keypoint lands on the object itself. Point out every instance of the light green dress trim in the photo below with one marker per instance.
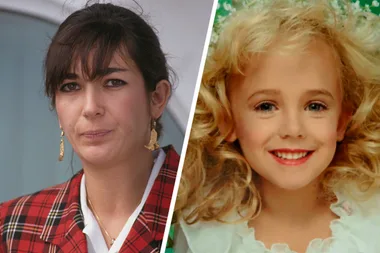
(357, 230)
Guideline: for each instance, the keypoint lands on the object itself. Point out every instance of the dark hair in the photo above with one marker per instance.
(108, 29)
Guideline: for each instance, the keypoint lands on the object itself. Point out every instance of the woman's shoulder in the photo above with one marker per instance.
(43, 199)
(37, 204)
(171, 158)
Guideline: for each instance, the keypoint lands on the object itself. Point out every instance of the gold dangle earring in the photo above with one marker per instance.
(153, 144)
(61, 147)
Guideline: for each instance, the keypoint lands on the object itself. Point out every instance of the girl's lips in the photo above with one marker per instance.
(288, 150)
(292, 162)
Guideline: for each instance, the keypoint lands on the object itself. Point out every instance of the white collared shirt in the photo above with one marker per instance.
(95, 240)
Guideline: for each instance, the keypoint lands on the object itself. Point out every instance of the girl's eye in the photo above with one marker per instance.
(265, 107)
(316, 107)
(69, 87)
(115, 83)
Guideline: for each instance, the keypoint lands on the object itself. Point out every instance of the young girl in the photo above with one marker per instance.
(284, 153)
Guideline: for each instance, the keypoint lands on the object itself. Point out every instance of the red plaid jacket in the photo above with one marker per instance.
(51, 220)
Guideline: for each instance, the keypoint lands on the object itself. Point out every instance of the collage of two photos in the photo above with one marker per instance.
(190, 126)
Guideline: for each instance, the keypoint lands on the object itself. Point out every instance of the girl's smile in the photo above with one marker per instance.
(291, 157)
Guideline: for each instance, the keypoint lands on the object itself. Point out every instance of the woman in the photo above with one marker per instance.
(108, 80)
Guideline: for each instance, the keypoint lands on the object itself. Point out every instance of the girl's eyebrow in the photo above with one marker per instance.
(274, 92)
(317, 92)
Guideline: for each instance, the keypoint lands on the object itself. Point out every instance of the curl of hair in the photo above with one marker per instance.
(216, 178)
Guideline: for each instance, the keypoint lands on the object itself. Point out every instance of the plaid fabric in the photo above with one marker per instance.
(51, 220)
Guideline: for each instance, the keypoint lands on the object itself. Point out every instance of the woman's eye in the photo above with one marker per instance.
(317, 107)
(69, 87)
(265, 107)
(115, 83)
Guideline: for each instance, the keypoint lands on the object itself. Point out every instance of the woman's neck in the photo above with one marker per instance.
(115, 190)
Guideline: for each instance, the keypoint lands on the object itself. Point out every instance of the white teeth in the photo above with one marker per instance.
(291, 156)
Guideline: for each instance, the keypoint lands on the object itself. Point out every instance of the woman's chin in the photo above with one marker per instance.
(96, 156)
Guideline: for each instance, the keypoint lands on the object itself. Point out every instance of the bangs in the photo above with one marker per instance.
(92, 46)
(281, 28)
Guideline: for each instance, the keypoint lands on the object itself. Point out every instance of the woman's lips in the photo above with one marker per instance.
(95, 133)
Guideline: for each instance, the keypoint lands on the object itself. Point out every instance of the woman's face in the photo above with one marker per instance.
(286, 112)
(108, 119)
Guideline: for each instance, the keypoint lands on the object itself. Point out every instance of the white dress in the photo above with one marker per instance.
(357, 230)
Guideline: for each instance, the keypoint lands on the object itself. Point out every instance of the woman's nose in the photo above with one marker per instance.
(92, 103)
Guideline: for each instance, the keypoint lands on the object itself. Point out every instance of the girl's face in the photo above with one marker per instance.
(108, 120)
(286, 112)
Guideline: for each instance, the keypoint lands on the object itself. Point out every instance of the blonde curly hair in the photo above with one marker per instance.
(216, 178)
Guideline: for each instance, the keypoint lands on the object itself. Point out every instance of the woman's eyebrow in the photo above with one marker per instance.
(71, 76)
(109, 71)
(100, 73)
